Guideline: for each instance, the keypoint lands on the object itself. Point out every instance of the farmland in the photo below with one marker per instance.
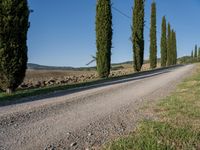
(36, 78)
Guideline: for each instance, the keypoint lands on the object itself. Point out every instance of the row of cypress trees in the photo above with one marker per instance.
(163, 43)
(14, 24)
(196, 53)
(171, 47)
(168, 44)
(104, 38)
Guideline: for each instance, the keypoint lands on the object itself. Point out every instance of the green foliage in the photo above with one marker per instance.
(164, 43)
(103, 37)
(190, 59)
(195, 52)
(171, 47)
(153, 38)
(174, 48)
(14, 15)
(169, 59)
(152, 135)
(192, 54)
(185, 60)
(138, 34)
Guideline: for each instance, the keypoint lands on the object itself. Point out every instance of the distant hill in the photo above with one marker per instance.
(43, 67)
(37, 66)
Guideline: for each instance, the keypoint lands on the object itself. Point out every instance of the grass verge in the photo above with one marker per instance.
(176, 125)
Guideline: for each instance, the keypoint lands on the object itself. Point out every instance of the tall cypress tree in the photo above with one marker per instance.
(103, 37)
(195, 52)
(169, 45)
(163, 45)
(199, 53)
(14, 15)
(153, 38)
(138, 34)
(175, 48)
(192, 54)
(172, 47)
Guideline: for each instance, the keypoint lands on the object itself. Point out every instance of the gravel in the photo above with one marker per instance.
(85, 119)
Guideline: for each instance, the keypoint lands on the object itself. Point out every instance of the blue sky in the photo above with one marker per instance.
(62, 33)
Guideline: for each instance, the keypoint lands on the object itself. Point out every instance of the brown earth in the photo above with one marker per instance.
(45, 78)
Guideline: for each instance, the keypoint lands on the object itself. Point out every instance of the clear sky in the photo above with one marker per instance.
(62, 33)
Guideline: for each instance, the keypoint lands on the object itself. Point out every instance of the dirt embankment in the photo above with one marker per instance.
(45, 78)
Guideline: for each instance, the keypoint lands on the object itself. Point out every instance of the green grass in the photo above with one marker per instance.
(154, 135)
(177, 126)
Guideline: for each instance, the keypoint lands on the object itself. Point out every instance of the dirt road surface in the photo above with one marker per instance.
(84, 119)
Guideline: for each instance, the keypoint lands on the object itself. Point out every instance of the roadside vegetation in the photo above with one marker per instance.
(176, 123)
(194, 58)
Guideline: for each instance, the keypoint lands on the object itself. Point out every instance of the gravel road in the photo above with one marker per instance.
(84, 119)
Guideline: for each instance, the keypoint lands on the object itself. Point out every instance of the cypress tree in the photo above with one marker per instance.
(175, 48)
(199, 53)
(138, 34)
(153, 38)
(195, 52)
(169, 46)
(14, 26)
(172, 47)
(163, 45)
(192, 54)
(103, 37)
